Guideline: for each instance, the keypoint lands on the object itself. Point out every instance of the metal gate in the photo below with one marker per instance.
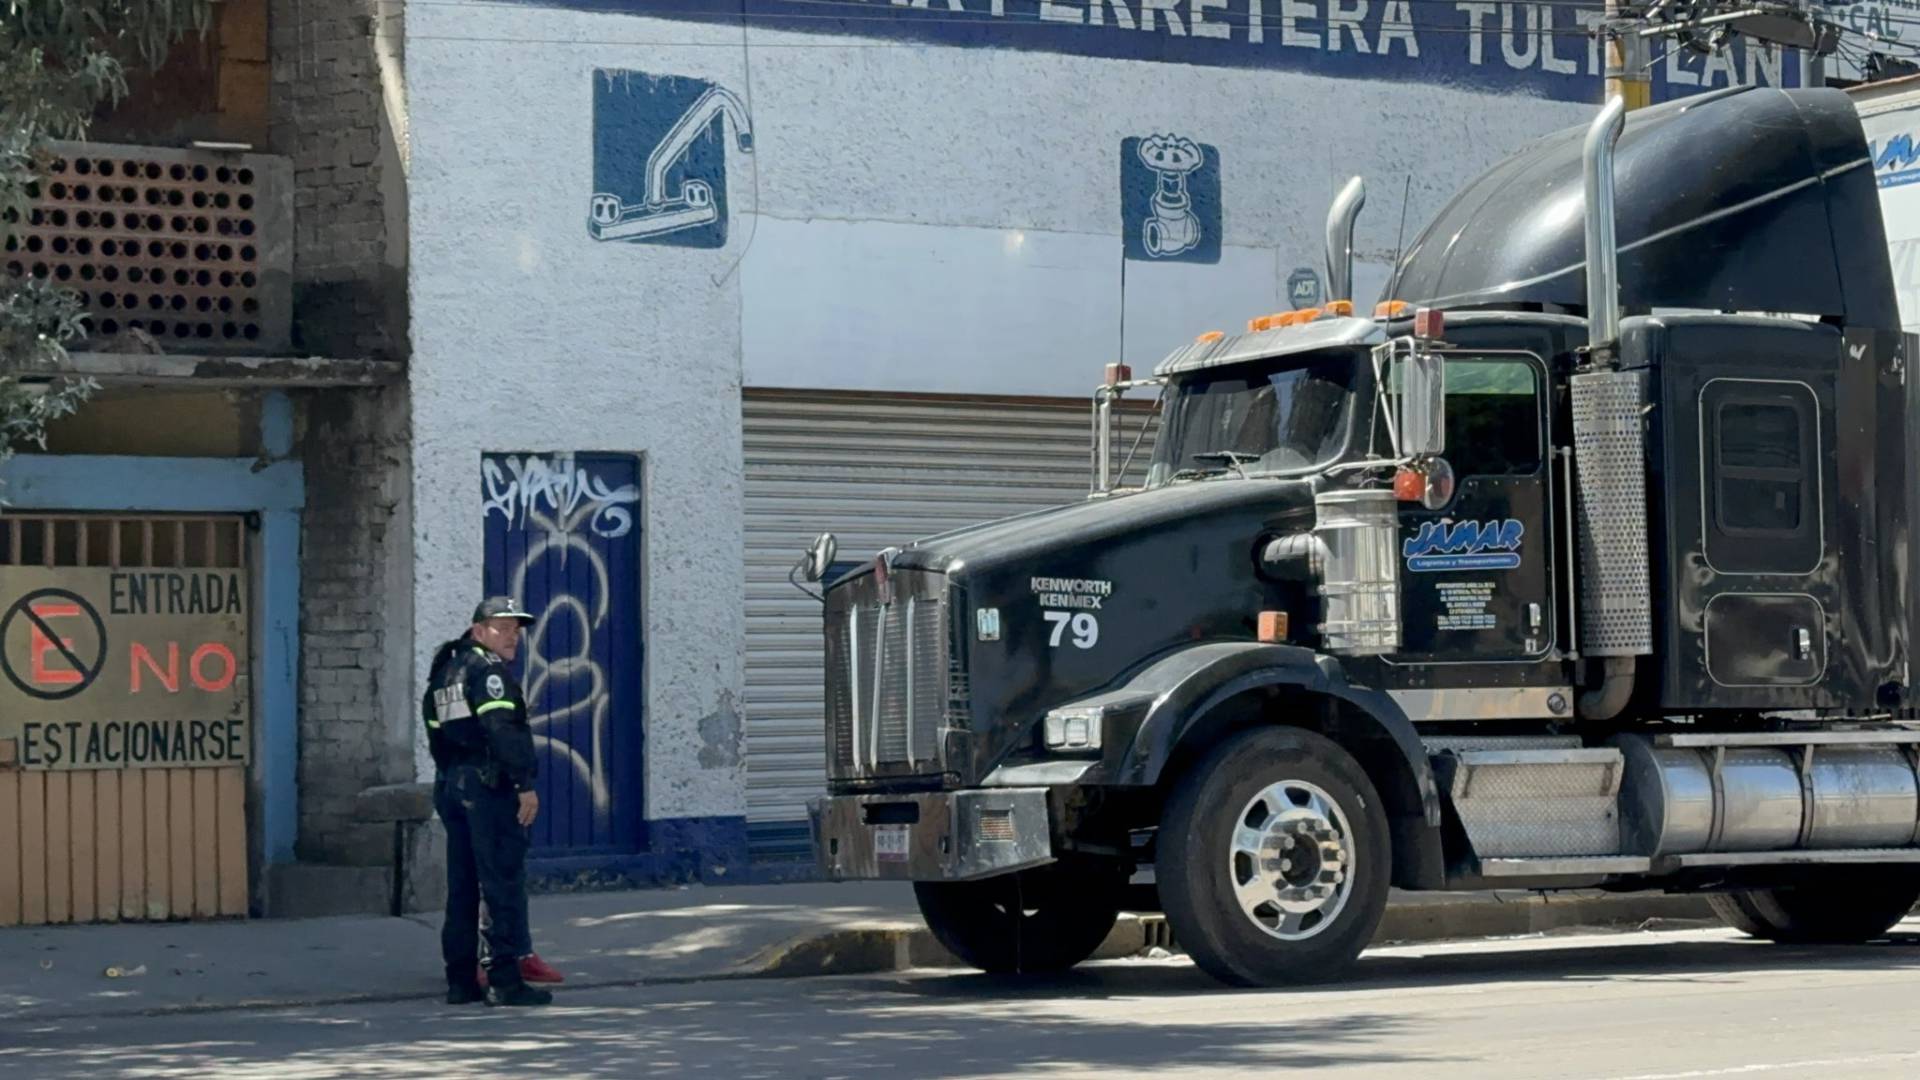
(875, 470)
(160, 835)
(563, 538)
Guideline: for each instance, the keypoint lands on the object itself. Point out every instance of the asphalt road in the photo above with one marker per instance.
(1640, 1006)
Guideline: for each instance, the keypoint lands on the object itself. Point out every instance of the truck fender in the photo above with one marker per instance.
(1179, 690)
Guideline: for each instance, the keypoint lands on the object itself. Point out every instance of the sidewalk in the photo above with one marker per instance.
(611, 939)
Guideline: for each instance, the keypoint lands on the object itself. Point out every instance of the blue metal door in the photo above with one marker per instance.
(563, 538)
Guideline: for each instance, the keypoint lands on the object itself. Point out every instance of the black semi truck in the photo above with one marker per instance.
(1583, 562)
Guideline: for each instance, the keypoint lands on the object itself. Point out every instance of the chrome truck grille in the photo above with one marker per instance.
(890, 676)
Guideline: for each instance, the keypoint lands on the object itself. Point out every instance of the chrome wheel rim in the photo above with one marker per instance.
(1291, 860)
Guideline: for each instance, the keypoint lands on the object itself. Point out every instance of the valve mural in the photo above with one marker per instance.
(563, 538)
(1170, 199)
(660, 158)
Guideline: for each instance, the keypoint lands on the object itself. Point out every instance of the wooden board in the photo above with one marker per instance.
(106, 816)
(232, 785)
(180, 842)
(159, 865)
(10, 849)
(206, 845)
(33, 848)
(133, 845)
(80, 794)
(59, 849)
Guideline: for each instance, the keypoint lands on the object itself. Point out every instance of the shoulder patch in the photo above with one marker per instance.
(496, 687)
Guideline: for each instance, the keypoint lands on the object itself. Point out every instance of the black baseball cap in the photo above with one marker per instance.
(501, 607)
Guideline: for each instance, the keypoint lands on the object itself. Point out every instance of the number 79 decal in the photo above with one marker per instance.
(1086, 628)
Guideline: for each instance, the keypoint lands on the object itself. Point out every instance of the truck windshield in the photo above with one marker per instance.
(1285, 416)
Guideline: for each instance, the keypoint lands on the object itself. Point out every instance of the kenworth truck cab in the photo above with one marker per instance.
(1584, 562)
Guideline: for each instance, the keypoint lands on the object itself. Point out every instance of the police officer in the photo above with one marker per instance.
(483, 790)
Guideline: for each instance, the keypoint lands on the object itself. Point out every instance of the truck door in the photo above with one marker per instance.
(1477, 574)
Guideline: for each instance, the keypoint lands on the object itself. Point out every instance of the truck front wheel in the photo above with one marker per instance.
(1031, 922)
(1842, 905)
(1273, 861)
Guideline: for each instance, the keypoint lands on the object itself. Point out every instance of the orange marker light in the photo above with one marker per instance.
(1390, 309)
(1307, 315)
(1264, 322)
(1408, 485)
(1210, 337)
(1340, 308)
(1273, 626)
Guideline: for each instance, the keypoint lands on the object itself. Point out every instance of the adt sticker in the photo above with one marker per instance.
(660, 158)
(1303, 288)
(1465, 545)
(1170, 199)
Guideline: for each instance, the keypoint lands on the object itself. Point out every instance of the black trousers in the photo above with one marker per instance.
(486, 860)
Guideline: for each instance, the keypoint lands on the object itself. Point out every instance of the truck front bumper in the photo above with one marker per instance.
(942, 836)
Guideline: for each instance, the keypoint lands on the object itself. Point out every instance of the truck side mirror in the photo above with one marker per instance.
(1423, 404)
(819, 557)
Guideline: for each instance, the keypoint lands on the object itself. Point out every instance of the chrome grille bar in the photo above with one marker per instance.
(888, 677)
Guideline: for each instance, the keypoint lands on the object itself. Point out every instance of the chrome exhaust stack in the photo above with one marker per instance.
(1615, 615)
(1340, 219)
(1603, 258)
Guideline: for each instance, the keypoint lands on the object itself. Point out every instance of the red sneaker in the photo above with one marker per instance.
(535, 970)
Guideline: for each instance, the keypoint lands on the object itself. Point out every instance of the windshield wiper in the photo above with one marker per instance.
(1233, 458)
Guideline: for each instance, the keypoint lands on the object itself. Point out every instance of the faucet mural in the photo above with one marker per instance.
(1170, 199)
(1172, 229)
(681, 196)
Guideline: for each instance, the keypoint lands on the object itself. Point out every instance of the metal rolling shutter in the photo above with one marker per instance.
(874, 470)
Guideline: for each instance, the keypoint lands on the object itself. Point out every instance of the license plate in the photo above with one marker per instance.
(890, 843)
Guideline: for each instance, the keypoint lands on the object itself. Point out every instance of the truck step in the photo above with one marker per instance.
(1564, 866)
(1549, 802)
(1453, 744)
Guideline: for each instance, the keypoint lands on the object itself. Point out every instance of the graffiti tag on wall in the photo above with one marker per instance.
(660, 158)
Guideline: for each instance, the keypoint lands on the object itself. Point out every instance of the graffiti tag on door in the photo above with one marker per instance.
(562, 538)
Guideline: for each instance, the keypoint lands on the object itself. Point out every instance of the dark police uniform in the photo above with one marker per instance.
(483, 753)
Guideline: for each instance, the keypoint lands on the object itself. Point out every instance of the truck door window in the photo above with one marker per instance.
(1493, 416)
(1761, 446)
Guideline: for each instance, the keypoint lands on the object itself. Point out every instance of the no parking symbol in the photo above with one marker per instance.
(113, 669)
(53, 644)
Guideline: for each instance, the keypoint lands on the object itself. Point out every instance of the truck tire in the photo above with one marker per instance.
(1273, 859)
(1838, 908)
(1031, 922)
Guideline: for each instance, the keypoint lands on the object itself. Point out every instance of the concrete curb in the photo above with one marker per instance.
(1410, 919)
(881, 947)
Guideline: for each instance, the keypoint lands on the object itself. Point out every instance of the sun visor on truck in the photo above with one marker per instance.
(1746, 199)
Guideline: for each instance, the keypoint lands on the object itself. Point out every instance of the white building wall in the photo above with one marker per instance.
(911, 216)
(529, 336)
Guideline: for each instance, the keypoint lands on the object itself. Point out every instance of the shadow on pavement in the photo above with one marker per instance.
(934, 1026)
(724, 1031)
(1441, 966)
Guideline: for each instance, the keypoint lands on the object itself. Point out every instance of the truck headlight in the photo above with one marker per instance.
(1073, 729)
